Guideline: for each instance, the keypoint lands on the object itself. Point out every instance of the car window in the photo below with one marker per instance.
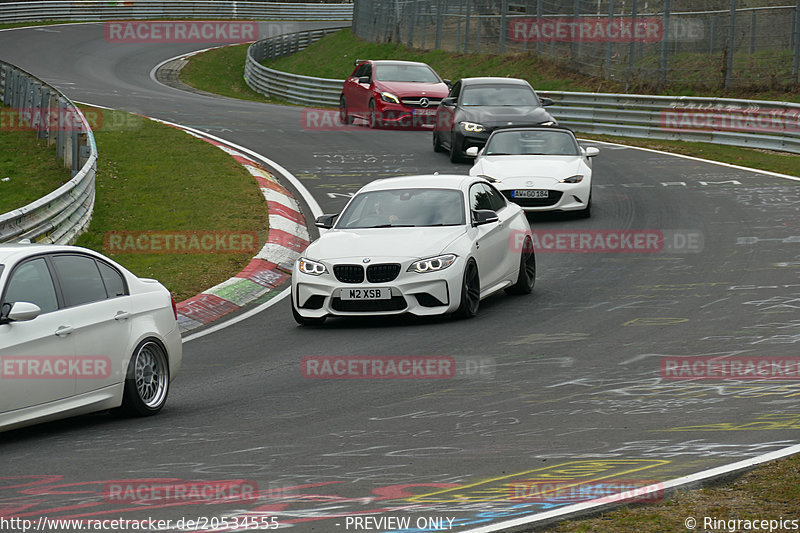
(495, 198)
(479, 197)
(456, 90)
(532, 142)
(403, 208)
(113, 280)
(367, 71)
(79, 278)
(31, 282)
(499, 95)
(406, 73)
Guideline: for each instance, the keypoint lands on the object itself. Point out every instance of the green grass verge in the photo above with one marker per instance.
(29, 169)
(221, 71)
(771, 491)
(152, 177)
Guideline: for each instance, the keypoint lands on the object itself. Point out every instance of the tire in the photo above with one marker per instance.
(373, 119)
(587, 212)
(437, 142)
(146, 381)
(344, 116)
(455, 152)
(526, 278)
(470, 292)
(304, 321)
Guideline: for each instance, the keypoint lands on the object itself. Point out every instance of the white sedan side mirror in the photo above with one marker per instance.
(21, 312)
(472, 151)
(592, 151)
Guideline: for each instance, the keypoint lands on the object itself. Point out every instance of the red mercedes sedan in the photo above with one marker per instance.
(385, 92)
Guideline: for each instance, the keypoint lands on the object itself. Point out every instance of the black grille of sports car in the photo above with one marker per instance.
(397, 303)
(383, 273)
(349, 273)
(552, 199)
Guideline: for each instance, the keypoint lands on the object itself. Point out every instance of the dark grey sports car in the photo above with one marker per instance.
(477, 106)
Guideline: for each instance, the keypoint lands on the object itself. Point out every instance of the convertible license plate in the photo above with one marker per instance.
(367, 294)
(424, 112)
(531, 193)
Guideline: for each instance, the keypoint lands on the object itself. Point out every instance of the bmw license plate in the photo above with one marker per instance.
(531, 193)
(367, 294)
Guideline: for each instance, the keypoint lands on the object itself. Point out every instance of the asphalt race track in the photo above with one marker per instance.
(563, 385)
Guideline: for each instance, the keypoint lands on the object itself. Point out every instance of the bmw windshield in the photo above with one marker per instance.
(499, 95)
(403, 208)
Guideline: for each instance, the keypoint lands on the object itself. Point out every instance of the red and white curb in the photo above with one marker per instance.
(272, 265)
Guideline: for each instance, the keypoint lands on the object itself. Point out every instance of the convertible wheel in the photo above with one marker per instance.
(343, 115)
(147, 380)
(374, 120)
(527, 270)
(437, 142)
(303, 321)
(455, 151)
(470, 292)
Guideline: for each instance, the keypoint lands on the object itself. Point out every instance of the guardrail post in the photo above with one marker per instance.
(75, 150)
(60, 141)
(52, 108)
(44, 110)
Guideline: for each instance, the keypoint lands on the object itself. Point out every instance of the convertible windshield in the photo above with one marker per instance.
(410, 73)
(403, 208)
(499, 95)
(533, 142)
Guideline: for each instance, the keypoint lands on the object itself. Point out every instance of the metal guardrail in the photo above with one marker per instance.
(303, 90)
(62, 215)
(769, 125)
(80, 10)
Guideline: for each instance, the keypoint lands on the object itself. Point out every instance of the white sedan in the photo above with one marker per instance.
(425, 245)
(540, 169)
(80, 333)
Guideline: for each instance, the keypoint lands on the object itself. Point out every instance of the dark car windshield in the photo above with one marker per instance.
(499, 95)
(403, 208)
(410, 73)
(532, 142)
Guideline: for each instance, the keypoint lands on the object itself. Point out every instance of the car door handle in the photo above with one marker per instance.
(62, 331)
(121, 315)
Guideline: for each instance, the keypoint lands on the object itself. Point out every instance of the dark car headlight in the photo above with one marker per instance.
(472, 126)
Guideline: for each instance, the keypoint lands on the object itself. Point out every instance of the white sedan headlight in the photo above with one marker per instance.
(472, 126)
(432, 264)
(314, 268)
(577, 178)
(389, 97)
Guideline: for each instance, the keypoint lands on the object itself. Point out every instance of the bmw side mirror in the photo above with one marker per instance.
(325, 221)
(472, 151)
(449, 101)
(592, 151)
(484, 216)
(19, 312)
(546, 101)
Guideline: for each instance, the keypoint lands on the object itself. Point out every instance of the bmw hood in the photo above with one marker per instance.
(408, 243)
(554, 168)
(498, 116)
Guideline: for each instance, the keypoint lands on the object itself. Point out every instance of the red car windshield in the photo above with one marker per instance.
(408, 73)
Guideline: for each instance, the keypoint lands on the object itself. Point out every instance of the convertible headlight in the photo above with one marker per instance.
(472, 126)
(432, 264)
(548, 123)
(314, 268)
(577, 178)
(389, 97)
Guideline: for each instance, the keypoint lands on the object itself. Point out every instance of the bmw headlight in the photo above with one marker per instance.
(432, 264)
(389, 97)
(314, 268)
(472, 126)
(577, 178)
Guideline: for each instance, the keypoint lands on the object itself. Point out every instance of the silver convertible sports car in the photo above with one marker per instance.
(426, 245)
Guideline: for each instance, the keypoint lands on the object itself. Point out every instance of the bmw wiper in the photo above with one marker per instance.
(391, 226)
(434, 225)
